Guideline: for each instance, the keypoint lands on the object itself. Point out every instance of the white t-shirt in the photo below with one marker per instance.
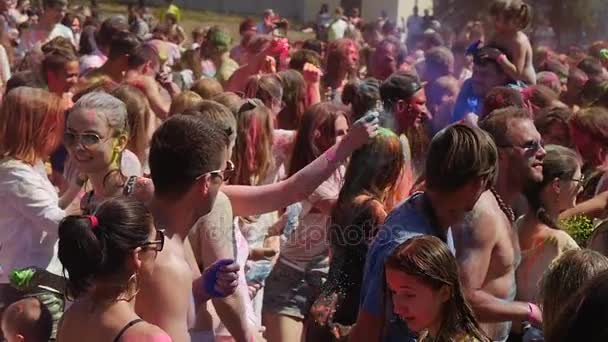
(29, 218)
(92, 61)
(337, 29)
(36, 37)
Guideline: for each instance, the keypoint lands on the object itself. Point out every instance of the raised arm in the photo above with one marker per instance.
(254, 200)
(594, 207)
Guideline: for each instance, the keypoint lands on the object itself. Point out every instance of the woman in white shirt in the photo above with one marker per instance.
(96, 137)
(31, 126)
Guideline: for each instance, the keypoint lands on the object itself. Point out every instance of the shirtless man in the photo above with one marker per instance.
(188, 162)
(487, 248)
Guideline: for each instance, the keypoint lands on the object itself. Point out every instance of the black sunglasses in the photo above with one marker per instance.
(157, 244)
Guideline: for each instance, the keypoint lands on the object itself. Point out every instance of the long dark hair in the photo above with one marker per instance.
(428, 259)
(583, 317)
(561, 163)
(373, 171)
(92, 248)
(294, 97)
(319, 118)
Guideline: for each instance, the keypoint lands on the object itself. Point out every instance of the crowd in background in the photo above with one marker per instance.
(384, 181)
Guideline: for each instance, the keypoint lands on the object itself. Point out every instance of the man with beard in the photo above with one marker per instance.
(388, 57)
(487, 247)
(405, 110)
(461, 164)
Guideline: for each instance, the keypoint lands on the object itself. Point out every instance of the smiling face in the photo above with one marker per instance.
(92, 155)
(418, 304)
(61, 81)
(523, 157)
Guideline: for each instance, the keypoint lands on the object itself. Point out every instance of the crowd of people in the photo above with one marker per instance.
(380, 182)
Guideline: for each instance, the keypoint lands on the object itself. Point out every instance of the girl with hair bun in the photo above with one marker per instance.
(106, 255)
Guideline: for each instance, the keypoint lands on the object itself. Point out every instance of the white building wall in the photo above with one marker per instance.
(304, 10)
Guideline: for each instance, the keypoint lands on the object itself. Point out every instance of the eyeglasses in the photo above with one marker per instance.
(580, 181)
(226, 174)
(532, 145)
(158, 244)
(86, 139)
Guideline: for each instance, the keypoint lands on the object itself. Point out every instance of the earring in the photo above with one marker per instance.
(132, 288)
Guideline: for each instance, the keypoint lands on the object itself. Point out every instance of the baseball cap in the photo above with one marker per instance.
(399, 86)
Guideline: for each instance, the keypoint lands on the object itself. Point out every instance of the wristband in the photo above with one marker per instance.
(532, 311)
(210, 277)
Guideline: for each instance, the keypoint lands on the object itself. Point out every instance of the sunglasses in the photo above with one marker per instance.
(532, 145)
(158, 244)
(86, 139)
(225, 174)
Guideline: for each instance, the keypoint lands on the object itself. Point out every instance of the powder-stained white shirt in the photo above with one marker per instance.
(29, 218)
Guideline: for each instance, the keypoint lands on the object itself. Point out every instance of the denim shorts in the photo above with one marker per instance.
(291, 292)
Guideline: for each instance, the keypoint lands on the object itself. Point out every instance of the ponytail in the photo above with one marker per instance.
(94, 247)
(81, 251)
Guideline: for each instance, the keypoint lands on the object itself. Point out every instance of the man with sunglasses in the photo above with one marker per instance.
(188, 161)
(487, 245)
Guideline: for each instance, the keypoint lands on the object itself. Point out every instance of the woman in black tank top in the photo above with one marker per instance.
(105, 255)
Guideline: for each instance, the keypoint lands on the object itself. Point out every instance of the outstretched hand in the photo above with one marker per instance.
(364, 129)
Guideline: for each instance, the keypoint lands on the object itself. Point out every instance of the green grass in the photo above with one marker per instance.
(193, 19)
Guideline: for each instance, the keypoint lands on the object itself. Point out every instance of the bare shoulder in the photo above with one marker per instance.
(145, 332)
(172, 268)
(481, 225)
(523, 39)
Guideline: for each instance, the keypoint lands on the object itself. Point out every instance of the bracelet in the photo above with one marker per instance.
(330, 155)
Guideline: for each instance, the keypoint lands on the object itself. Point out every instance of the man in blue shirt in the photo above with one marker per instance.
(487, 74)
(461, 164)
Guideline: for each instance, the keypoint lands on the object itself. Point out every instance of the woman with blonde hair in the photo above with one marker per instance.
(184, 101)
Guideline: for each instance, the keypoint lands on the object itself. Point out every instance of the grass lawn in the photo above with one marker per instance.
(193, 18)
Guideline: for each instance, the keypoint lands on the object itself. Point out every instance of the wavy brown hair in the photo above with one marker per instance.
(318, 122)
(429, 260)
